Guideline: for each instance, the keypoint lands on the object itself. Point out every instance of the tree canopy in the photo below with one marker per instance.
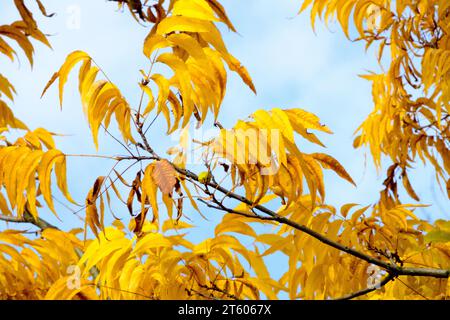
(379, 251)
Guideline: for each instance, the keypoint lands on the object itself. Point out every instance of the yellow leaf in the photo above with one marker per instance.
(307, 120)
(44, 170)
(63, 73)
(174, 225)
(180, 23)
(329, 162)
(346, 208)
(220, 11)
(149, 189)
(197, 9)
(150, 241)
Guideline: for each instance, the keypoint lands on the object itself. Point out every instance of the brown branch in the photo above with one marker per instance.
(191, 291)
(221, 207)
(391, 268)
(12, 219)
(215, 288)
(28, 218)
(363, 292)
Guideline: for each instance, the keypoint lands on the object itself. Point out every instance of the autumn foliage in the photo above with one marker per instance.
(379, 251)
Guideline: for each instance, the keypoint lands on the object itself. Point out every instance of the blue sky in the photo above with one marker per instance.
(292, 67)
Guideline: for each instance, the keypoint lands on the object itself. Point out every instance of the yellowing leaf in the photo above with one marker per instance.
(303, 119)
(150, 241)
(64, 71)
(164, 175)
(44, 170)
(329, 162)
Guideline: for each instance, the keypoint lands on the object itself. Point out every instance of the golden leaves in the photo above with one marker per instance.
(101, 99)
(197, 61)
(26, 162)
(18, 32)
(48, 257)
(93, 219)
(7, 118)
(408, 187)
(21, 165)
(395, 234)
(412, 101)
(301, 119)
(50, 159)
(261, 155)
(6, 88)
(440, 233)
(15, 33)
(149, 191)
(26, 15)
(265, 157)
(435, 65)
(221, 14)
(151, 241)
(329, 162)
(154, 266)
(235, 224)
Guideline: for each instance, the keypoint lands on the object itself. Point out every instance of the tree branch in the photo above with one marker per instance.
(391, 268)
(388, 266)
(363, 292)
(28, 218)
